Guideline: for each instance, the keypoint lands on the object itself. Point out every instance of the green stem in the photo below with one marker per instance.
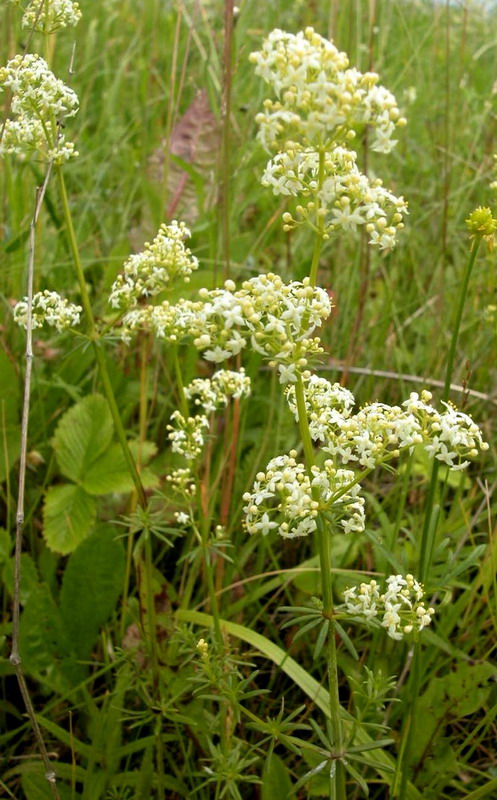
(179, 383)
(94, 338)
(327, 591)
(150, 600)
(318, 242)
(429, 524)
(428, 536)
(459, 312)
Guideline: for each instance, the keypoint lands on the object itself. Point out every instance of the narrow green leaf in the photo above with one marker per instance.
(298, 674)
(82, 435)
(347, 641)
(10, 436)
(483, 791)
(357, 777)
(68, 515)
(323, 633)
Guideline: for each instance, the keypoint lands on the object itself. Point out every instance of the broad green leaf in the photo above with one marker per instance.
(111, 474)
(91, 586)
(68, 515)
(82, 435)
(29, 577)
(6, 544)
(44, 645)
(275, 779)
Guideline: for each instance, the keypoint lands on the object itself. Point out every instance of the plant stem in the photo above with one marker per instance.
(327, 592)
(318, 242)
(183, 404)
(150, 602)
(94, 338)
(430, 525)
(15, 658)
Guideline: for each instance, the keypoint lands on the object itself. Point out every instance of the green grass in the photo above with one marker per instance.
(125, 722)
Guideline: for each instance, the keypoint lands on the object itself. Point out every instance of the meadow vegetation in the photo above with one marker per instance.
(255, 563)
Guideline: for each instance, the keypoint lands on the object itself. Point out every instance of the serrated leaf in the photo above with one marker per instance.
(91, 586)
(111, 474)
(68, 515)
(44, 645)
(82, 435)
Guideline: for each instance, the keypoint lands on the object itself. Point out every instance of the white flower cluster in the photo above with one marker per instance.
(287, 499)
(453, 436)
(348, 198)
(153, 270)
(182, 483)
(48, 307)
(326, 404)
(400, 608)
(321, 102)
(320, 99)
(186, 434)
(379, 432)
(277, 318)
(213, 393)
(48, 16)
(171, 322)
(281, 317)
(39, 101)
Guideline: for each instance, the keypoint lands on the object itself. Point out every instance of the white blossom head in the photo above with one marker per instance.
(320, 100)
(288, 499)
(213, 393)
(50, 308)
(47, 16)
(39, 102)
(150, 272)
(400, 608)
(348, 199)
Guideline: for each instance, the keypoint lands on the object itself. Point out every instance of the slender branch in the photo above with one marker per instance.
(15, 658)
(328, 609)
(97, 348)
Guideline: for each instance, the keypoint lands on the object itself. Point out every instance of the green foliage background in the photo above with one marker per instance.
(139, 66)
